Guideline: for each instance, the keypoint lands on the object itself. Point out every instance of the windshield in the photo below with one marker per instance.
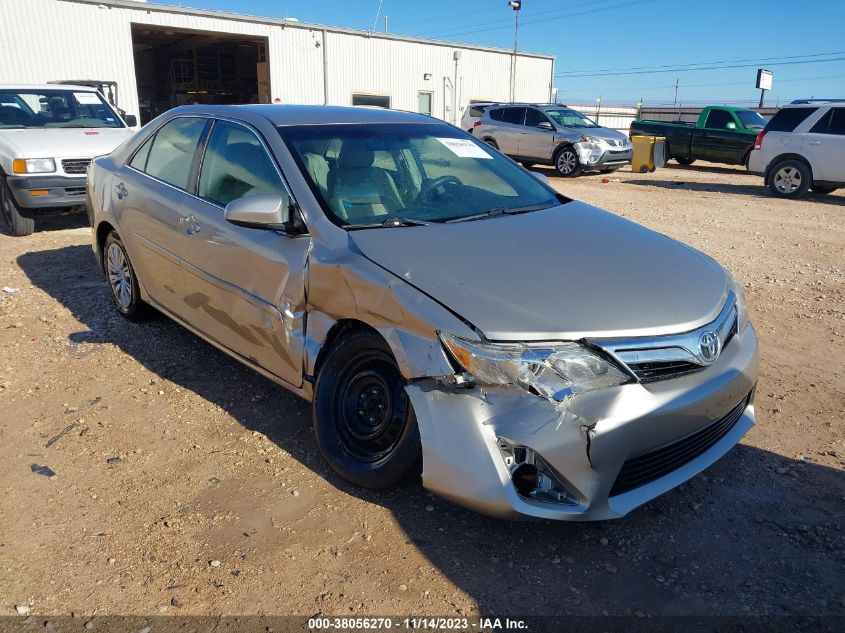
(367, 174)
(49, 108)
(569, 118)
(751, 120)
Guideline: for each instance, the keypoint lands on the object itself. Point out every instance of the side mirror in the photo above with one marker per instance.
(131, 120)
(545, 125)
(540, 176)
(730, 125)
(268, 211)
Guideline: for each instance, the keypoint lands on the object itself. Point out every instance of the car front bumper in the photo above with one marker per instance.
(61, 191)
(591, 158)
(461, 429)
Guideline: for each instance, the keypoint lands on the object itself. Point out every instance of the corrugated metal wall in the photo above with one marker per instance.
(43, 40)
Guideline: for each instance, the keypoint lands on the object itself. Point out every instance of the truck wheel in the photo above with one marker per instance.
(19, 220)
(364, 422)
(566, 162)
(790, 179)
(685, 161)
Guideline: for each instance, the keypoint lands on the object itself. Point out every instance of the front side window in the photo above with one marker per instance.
(566, 117)
(837, 122)
(718, 119)
(533, 118)
(236, 165)
(49, 108)
(172, 150)
(364, 175)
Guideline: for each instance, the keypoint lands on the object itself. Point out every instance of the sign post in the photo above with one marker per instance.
(764, 82)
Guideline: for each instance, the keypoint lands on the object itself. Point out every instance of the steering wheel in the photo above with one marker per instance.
(439, 184)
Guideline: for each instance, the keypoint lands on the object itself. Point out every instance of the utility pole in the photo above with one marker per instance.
(516, 5)
(677, 82)
(385, 24)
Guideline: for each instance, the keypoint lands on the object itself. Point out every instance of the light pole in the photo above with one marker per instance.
(516, 5)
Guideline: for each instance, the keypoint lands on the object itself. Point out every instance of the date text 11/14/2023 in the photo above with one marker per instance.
(415, 623)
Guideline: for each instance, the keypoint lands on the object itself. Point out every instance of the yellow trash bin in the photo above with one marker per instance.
(643, 158)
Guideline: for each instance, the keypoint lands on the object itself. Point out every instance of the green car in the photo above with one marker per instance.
(722, 134)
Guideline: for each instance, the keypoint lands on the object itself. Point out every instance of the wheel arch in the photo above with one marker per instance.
(336, 333)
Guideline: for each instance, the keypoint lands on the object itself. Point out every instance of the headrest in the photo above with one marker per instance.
(355, 155)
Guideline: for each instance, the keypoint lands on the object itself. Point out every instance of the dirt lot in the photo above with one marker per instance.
(187, 484)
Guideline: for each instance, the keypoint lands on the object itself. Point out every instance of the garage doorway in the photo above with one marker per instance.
(175, 67)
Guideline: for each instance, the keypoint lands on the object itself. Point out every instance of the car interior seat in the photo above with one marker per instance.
(359, 191)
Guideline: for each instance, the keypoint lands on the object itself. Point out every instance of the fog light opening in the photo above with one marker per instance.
(531, 476)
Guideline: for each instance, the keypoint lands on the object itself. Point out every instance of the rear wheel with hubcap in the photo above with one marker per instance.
(123, 283)
(790, 179)
(363, 419)
(19, 220)
(566, 162)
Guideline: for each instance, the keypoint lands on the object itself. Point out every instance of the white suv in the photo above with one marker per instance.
(48, 136)
(802, 147)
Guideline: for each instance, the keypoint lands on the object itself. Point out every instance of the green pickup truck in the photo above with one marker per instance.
(723, 134)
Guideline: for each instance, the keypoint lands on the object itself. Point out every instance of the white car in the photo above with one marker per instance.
(48, 136)
(472, 114)
(801, 148)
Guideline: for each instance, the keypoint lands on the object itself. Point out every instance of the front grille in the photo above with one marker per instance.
(76, 165)
(75, 191)
(663, 370)
(653, 465)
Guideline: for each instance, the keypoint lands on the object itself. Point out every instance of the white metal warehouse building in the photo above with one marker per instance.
(162, 56)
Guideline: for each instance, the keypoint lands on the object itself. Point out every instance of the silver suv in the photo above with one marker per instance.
(554, 134)
(802, 147)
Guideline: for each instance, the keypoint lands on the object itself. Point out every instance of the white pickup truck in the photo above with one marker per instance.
(48, 136)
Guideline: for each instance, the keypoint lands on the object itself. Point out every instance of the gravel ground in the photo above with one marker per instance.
(184, 483)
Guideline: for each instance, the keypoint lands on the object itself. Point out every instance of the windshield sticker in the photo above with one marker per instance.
(87, 98)
(464, 148)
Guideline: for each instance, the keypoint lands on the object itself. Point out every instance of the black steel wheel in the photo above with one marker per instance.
(19, 220)
(363, 419)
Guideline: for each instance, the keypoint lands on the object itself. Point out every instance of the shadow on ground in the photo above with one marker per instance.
(57, 219)
(757, 190)
(758, 533)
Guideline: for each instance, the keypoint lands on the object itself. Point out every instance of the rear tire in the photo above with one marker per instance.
(122, 280)
(823, 190)
(363, 420)
(492, 143)
(684, 161)
(567, 163)
(790, 179)
(19, 220)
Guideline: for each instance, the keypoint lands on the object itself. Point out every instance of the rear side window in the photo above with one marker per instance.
(514, 115)
(236, 165)
(173, 149)
(496, 114)
(718, 119)
(787, 119)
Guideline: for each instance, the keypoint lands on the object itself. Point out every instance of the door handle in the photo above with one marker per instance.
(189, 225)
(121, 191)
(815, 142)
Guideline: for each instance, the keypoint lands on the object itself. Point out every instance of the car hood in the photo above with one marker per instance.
(570, 272)
(64, 142)
(602, 132)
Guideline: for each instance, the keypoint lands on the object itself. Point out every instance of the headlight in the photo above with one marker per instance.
(33, 165)
(741, 307)
(555, 371)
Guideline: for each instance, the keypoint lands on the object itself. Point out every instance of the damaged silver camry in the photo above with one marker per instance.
(446, 311)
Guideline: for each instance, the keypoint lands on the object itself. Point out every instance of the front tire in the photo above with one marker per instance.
(567, 163)
(364, 421)
(790, 179)
(122, 280)
(20, 221)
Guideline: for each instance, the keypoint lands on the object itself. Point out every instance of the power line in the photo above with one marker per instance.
(724, 61)
(548, 19)
(673, 70)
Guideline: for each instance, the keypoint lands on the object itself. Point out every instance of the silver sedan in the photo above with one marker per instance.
(446, 311)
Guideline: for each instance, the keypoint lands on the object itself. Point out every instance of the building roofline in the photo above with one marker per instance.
(242, 17)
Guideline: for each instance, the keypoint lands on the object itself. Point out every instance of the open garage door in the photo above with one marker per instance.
(176, 67)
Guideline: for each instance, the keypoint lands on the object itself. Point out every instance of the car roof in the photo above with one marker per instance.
(283, 114)
(47, 87)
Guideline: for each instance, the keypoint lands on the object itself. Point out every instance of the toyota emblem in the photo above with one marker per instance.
(709, 346)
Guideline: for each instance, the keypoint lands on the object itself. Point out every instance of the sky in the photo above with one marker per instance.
(621, 51)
